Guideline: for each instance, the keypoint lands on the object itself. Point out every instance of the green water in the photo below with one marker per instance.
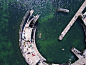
(50, 24)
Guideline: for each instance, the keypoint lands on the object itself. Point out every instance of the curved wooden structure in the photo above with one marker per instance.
(27, 40)
(28, 45)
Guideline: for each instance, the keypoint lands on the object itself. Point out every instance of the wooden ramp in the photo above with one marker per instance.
(72, 20)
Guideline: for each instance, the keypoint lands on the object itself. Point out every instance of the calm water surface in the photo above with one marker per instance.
(50, 25)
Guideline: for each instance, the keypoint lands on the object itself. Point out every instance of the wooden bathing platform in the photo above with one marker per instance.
(72, 20)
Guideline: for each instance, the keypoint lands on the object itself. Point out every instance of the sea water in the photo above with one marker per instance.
(50, 24)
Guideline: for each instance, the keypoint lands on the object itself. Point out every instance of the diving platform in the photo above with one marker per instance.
(83, 17)
(72, 20)
(81, 57)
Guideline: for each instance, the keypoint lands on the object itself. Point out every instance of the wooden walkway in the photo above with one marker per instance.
(81, 57)
(27, 41)
(83, 17)
(72, 20)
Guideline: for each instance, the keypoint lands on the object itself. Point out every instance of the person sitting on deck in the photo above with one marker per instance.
(28, 53)
(33, 54)
(27, 41)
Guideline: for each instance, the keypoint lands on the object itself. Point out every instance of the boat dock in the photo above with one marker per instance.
(72, 20)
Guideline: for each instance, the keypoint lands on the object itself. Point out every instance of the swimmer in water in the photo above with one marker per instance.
(40, 35)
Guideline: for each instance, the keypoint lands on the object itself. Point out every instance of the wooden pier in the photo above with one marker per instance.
(72, 20)
(27, 40)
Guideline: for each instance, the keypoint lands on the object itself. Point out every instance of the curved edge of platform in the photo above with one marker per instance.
(32, 43)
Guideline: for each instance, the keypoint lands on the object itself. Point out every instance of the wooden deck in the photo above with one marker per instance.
(72, 20)
(83, 17)
(27, 43)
